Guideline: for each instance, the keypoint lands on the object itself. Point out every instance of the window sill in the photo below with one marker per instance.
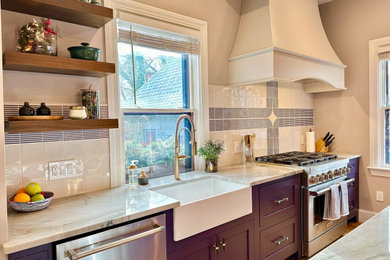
(379, 171)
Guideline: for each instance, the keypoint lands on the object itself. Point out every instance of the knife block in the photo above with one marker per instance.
(320, 146)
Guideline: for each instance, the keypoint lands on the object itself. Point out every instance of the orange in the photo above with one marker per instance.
(21, 190)
(22, 197)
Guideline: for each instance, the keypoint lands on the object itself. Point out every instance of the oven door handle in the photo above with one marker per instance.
(73, 255)
(320, 192)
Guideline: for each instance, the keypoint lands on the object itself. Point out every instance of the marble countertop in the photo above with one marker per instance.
(79, 214)
(83, 213)
(348, 155)
(371, 240)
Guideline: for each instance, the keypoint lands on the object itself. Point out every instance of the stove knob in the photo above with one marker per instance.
(331, 174)
(344, 171)
(321, 177)
(312, 180)
(316, 179)
(349, 169)
(336, 173)
(326, 176)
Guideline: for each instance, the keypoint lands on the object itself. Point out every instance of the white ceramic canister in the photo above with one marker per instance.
(77, 112)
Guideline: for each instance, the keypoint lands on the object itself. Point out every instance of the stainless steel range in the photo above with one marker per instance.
(320, 172)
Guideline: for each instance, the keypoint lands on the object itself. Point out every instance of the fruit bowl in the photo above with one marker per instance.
(32, 206)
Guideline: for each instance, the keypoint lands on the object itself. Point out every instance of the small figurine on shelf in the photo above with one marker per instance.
(26, 110)
(37, 37)
(43, 110)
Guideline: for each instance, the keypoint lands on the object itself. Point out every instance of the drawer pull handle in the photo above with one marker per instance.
(223, 244)
(281, 241)
(216, 248)
(280, 201)
(351, 184)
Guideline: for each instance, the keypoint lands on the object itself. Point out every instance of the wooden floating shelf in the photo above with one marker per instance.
(19, 61)
(72, 11)
(59, 125)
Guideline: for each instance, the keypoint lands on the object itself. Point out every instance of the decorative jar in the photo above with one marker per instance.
(37, 37)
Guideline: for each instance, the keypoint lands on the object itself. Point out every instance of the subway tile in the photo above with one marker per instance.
(218, 125)
(73, 135)
(53, 136)
(211, 113)
(91, 148)
(104, 133)
(53, 151)
(72, 149)
(13, 169)
(91, 134)
(227, 125)
(32, 137)
(12, 138)
(10, 110)
(211, 125)
(218, 113)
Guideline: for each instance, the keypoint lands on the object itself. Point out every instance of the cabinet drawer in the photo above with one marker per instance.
(279, 201)
(280, 241)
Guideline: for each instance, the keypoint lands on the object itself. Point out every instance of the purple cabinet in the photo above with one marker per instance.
(353, 190)
(279, 201)
(281, 240)
(44, 252)
(228, 242)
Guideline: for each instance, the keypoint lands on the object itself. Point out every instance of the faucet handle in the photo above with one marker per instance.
(181, 156)
(194, 148)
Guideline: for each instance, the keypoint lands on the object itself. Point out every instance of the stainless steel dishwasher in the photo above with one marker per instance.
(142, 240)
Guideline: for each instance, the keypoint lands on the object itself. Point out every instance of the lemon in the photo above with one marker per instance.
(33, 188)
(37, 197)
(22, 197)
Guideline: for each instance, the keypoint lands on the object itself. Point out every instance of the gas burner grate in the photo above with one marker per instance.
(297, 158)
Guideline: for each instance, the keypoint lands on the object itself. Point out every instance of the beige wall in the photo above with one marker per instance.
(222, 17)
(350, 24)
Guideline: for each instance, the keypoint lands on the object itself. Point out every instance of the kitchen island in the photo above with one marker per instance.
(371, 240)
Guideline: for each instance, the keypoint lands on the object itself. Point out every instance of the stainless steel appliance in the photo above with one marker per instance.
(320, 171)
(142, 240)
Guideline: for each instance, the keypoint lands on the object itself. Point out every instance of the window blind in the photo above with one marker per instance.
(159, 42)
(384, 53)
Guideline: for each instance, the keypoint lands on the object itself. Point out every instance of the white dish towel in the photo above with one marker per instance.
(332, 203)
(344, 207)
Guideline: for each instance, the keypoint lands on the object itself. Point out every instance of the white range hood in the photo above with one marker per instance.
(284, 40)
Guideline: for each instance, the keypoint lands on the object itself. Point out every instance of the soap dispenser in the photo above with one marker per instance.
(132, 175)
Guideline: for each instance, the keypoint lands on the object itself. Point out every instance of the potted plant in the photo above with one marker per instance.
(211, 152)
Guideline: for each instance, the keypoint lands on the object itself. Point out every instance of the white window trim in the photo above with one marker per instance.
(376, 167)
(165, 20)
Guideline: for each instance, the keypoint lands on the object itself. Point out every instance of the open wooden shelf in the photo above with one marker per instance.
(59, 125)
(13, 60)
(72, 11)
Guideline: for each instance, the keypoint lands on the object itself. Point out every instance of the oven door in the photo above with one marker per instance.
(314, 200)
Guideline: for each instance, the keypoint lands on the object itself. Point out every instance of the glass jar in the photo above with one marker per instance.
(90, 99)
(37, 37)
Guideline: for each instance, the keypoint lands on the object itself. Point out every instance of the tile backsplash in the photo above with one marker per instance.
(28, 154)
(278, 113)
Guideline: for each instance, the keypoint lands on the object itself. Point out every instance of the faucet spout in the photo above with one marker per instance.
(177, 143)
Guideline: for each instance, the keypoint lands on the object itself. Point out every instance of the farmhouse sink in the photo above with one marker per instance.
(205, 203)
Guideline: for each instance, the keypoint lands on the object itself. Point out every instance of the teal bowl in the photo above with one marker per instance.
(32, 206)
(85, 52)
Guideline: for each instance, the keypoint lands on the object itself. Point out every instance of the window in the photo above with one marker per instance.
(385, 107)
(379, 73)
(157, 75)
